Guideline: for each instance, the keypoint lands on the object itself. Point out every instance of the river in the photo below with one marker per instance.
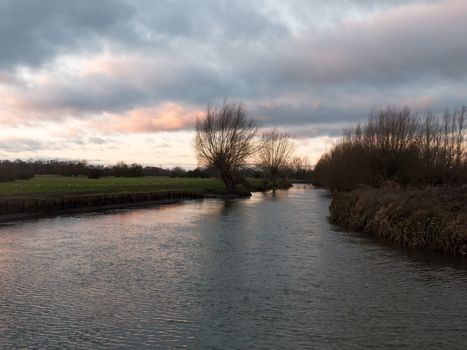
(265, 272)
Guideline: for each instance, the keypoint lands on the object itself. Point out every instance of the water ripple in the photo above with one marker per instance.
(268, 272)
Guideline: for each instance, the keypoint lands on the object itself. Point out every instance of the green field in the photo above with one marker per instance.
(48, 184)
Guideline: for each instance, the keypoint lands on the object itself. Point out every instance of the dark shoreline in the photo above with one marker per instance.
(15, 208)
(432, 219)
(26, 207)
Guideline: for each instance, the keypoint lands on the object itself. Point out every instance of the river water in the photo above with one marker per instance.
(265, 272)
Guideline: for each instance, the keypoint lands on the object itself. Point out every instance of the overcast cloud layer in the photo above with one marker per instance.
(84, 76)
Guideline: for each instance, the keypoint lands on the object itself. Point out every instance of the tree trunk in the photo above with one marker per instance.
(229, 182)
(274, 179)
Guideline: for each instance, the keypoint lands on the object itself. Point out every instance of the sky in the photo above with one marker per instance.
(125, 80)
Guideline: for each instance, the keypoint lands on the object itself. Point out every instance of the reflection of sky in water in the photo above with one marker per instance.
(265, 271)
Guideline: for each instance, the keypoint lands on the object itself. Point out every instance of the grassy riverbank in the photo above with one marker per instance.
(431, 219)
(47, 185)
(45, 195)
(50, 185)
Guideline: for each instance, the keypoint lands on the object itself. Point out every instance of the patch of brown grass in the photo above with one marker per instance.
(434, 218)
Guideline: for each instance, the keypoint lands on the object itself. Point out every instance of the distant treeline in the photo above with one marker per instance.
(397, 145)
(23, 170)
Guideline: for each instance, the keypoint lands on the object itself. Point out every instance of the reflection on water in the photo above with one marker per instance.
(267, 272)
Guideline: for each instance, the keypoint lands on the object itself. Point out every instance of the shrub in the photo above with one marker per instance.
(395, 145)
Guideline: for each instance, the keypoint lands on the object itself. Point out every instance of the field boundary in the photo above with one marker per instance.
(16, 208)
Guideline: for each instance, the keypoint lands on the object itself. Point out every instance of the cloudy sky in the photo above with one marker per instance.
(110, 80)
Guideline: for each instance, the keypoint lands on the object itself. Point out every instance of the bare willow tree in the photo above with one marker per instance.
(225, 140)
(397, 145)
(275, 153)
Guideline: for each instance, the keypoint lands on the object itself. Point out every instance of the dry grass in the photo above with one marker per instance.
(434, 218)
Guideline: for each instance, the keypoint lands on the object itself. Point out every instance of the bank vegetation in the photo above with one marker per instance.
(402, 177)
(398, 145)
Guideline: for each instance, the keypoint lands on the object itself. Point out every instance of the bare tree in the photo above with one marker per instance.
(275, 153)
(297, 164)
(224, 140)
(397, 145)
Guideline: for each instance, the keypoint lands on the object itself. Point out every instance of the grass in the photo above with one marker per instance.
(48, 194)
(49, 184)
(430, 218)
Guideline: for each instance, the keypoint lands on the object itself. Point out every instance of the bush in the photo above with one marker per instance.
(432, 218)
(395, 145)
(94, 173)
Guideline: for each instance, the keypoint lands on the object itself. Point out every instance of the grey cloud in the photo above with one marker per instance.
(296, 115)
(208, 20)
(32, 32)
(397, 50)
(163, 145)
(194, 53)
(341, 108)
(17, 145)
(97, 140)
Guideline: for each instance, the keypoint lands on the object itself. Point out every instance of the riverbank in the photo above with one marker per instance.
(81, 194)
(22, 207)
(431, 219)
(51, 185)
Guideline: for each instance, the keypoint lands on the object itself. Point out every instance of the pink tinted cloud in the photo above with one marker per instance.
(116, 66)
(12, 108)
(412, 39)
(133, 68)
(166, 117)
(382, 47)
(28, 102)
(421, 103)
(86, 87)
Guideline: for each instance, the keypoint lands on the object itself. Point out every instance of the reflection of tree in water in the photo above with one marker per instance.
(230, 205)
(226, 237)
